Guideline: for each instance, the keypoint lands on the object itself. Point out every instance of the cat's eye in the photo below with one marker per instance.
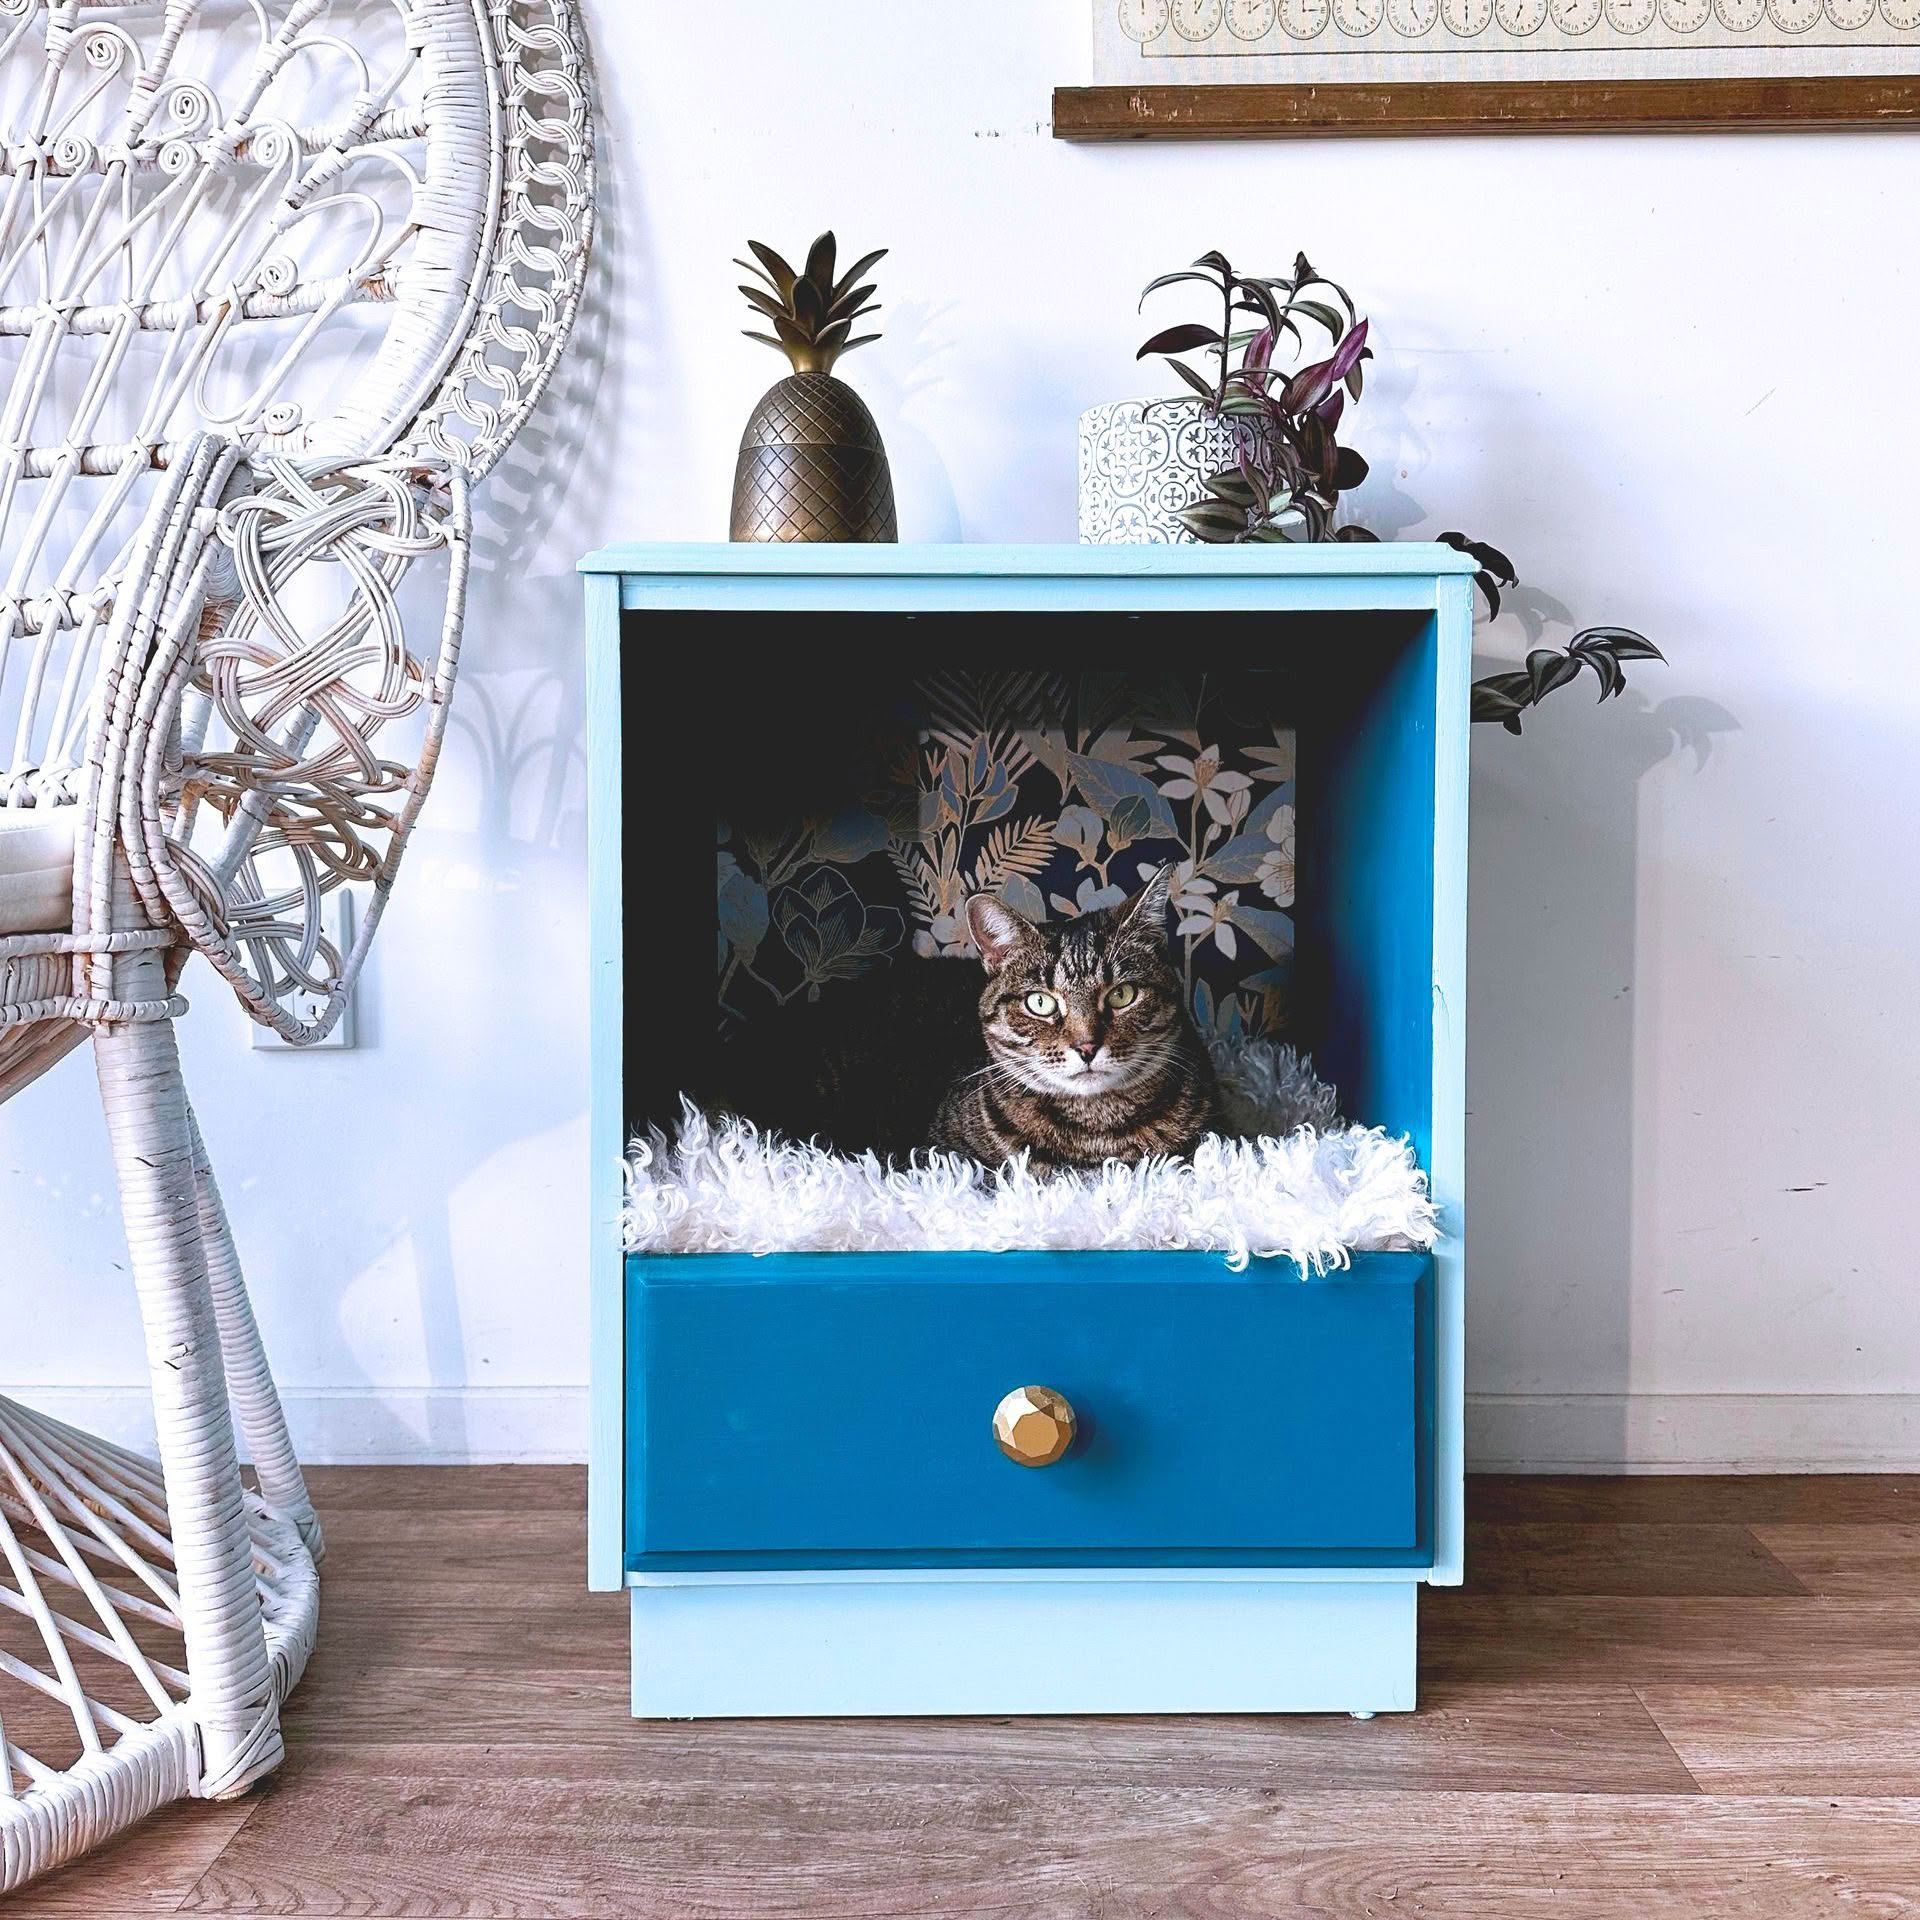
(1124, 995)
(1044, 1005)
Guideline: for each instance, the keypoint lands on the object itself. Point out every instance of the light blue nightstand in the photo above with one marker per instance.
(792, 1469)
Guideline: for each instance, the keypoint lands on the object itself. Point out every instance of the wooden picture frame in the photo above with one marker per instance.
(1410, 107)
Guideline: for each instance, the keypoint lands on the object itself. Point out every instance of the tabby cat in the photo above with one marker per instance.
(1091, 1054)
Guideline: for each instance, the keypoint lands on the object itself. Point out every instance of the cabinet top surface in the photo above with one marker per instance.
(1358, 559)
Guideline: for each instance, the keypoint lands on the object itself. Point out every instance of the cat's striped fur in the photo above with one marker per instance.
(1091, 1053)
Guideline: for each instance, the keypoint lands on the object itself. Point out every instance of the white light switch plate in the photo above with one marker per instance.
(337, 917)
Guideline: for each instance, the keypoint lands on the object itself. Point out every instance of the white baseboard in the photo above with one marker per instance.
(1506, 1432)
(363, 1426)
(1693, 1432)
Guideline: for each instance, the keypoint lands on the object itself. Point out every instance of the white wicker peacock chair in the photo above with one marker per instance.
(211, 212)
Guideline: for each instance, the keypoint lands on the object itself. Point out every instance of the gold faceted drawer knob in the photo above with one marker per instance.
(1033, 1426)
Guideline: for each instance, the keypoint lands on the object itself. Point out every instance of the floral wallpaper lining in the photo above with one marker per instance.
(1061, 794)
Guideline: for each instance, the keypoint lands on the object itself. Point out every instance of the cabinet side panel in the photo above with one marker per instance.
(1447, 1167)
(1375, 876)
(606, 1121)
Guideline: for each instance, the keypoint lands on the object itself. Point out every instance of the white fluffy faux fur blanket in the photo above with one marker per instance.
(1295, 1181)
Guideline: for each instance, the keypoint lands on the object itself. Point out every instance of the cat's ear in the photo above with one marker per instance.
(997, 930)
(1144, 917)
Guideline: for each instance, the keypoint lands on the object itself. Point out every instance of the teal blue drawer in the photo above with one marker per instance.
(833, 1409)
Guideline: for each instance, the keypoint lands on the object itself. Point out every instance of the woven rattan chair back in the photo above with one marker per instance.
(315, 236)
(279, 281)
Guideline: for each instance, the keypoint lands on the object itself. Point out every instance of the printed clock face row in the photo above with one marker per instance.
(1254, 19)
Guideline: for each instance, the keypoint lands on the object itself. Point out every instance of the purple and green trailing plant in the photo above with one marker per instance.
(1293, 469)
(1290, 477)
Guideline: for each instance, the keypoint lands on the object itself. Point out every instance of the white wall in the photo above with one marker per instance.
(1670, 375)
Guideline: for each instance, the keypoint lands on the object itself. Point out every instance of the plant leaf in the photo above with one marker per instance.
(1207, 516)
(1490, 558)
(1622, 642)
(1171, 279)
(1307, 388)
(1231, 486)
(1181, 339)
(1514, 687)
(1489, 702)
(1347, 354)
(1259, 299)
(1548, 668)
(1192, 379)
(1606, 670)
(1317, 310)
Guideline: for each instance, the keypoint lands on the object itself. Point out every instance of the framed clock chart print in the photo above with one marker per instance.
(1200, 69)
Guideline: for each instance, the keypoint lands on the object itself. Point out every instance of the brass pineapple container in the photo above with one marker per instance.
(811, 466)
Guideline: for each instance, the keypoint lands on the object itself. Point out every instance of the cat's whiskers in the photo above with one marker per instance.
(1005, 1076)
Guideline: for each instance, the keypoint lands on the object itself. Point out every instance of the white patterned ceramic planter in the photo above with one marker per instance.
(1141, 461)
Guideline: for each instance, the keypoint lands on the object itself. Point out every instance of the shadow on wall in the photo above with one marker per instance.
(1006, 419)
(907, 365)
(491, 900)
(1552, 1032)
(515, 767)
(1382, 428)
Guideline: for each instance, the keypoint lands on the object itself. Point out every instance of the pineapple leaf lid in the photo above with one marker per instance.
(811, 312)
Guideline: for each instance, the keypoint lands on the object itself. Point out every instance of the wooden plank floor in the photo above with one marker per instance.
(1656, 1698)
